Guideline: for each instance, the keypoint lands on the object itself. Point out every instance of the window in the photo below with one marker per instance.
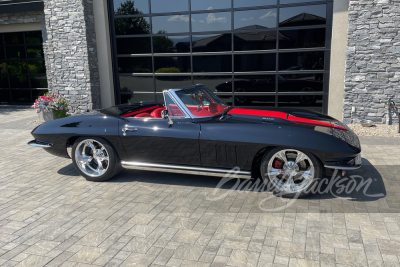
(22, 67)
(248, 52)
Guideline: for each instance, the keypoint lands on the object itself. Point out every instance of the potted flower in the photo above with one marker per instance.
(50, 107)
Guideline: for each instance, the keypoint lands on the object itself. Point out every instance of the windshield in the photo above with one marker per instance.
(201, 102)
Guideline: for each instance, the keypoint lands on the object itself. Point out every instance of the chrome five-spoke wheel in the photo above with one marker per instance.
(291, 171)
(95, 158)
(92, 157)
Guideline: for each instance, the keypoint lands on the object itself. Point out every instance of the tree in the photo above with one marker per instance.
(137, 25)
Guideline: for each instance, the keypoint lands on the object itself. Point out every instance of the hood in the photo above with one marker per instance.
(297, 116)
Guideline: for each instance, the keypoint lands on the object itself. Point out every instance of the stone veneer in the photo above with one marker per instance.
(372, 60)
(71, 54)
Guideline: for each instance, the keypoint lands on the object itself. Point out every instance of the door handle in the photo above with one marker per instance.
(124, 130)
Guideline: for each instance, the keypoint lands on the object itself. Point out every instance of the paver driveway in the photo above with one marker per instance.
(51, 216)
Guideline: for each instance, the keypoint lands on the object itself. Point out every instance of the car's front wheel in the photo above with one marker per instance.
(292, 173)
(95, 159)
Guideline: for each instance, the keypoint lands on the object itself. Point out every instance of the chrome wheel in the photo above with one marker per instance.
(290, 170)
(92, 157)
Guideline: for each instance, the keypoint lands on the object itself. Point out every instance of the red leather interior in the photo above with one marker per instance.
(157, 113)
(215, 108)
(143, 115)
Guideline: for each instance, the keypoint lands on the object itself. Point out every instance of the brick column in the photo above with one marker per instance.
(372, 60)
(71, 54)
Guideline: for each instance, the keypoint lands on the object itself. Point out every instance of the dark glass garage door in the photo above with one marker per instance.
(254, 53)
(22, 68)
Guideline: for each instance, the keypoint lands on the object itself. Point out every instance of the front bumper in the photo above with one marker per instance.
(344, 164)
(39, 143)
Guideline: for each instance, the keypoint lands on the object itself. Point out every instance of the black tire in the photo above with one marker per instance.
(114, 163)
(318, 173)
(307, 100)
(242, 100)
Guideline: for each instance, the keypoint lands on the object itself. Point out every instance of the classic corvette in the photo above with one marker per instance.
(195, 130)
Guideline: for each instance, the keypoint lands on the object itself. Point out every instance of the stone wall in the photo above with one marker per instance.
(372, 60)
(71, 54)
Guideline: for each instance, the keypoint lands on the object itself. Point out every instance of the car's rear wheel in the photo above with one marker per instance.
(291, 173)
(95, 159)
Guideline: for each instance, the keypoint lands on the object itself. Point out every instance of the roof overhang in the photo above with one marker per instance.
(17, 6)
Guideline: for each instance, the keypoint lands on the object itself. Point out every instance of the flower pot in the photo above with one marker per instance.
(47, 116)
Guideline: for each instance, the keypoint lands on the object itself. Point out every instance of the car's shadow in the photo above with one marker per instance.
(363, 185)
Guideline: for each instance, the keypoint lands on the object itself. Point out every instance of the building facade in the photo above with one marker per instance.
(337, 57)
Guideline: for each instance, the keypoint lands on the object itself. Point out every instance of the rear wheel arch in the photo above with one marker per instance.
(256, 165)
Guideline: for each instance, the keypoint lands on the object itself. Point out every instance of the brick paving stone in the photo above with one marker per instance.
(50, 216)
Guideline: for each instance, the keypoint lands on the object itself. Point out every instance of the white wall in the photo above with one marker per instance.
(104, 52)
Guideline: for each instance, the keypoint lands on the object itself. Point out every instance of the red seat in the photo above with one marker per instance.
(143, 115)
(157, 113)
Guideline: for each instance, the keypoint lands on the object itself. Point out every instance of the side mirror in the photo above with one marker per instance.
(164, 114)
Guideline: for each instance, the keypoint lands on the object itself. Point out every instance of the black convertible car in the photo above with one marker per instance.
(195, 130)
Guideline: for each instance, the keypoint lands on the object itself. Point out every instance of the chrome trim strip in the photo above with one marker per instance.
(129, 164)
(38, 143)
(342, 168)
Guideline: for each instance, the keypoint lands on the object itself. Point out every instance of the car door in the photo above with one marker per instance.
(155, 140)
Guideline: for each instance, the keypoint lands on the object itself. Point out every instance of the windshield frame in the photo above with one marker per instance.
(186, 109)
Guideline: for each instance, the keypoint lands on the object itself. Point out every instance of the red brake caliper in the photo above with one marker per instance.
(277, 164)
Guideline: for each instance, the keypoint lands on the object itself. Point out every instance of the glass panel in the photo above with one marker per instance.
(255, 83)
(307, 102)
(201, 101)
(254, 100)
(16, 38)
(211, 22)
(19, 81)
(170, 82)
(133, 83)
(216, 84)
(212, 63)
(163, 6)
(127, 26)
(15, 52)
(130, 7)
(302, 16)
(38, 81)
(129, 97)
(210, 4)
(171, 64)
(172, 107)
(245, 3)
(36, 66)
(295, 1)
(139, 45)
(21, 96)
(1, 39)
(34, 51)
(37, 93)
(34, 37)
(5, 97)
(212, 43)
(134, 65)
(3, 67)
(259, 19)
(171, 24)
(301, 61)
(3, 81)
(301, 83)
(246, 41)
(16, 67)
(255, 62)
(302, 38)
(2, 54)
(171, 44)
(228, 99)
